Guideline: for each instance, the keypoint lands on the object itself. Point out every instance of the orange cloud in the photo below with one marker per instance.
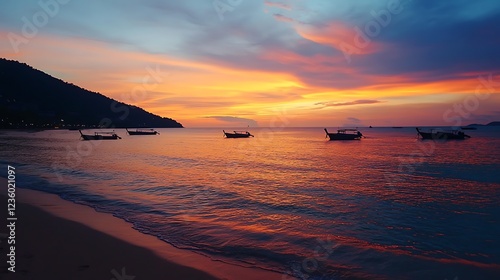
(192, 92)
(278, 5)
(337, 35)
(312, 63)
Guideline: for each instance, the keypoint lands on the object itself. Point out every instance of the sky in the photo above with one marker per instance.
(271, 63)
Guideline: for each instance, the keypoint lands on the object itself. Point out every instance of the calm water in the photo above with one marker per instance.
(386, 207)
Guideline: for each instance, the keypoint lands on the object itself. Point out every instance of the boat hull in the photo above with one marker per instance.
(142, 133)
(99, 137)
(339, 136)
(442, 135)
(233, 135)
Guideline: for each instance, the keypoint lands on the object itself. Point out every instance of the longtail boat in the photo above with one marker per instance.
(142, 132)
(440, 134)
(344, 134)
(237, 134)
(100, 136)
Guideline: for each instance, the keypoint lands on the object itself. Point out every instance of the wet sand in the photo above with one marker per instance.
(57, 239)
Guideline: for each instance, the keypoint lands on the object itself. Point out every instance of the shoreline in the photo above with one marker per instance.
(98, 244)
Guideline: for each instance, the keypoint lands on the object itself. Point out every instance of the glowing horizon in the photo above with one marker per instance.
(320, 63)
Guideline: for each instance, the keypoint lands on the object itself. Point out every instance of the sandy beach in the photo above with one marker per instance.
(57, 239)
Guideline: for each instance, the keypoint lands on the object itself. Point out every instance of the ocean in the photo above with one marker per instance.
(388, 206)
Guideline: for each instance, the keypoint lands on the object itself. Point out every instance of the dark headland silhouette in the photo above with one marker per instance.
(495, 123)
(30, 98)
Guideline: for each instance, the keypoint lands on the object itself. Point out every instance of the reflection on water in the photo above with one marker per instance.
(388, 206)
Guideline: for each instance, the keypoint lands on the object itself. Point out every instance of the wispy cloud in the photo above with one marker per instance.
(278, 5)
(352, 122)
(235, 120)
(355, 102)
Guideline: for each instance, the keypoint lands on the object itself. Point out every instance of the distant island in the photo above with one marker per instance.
(30, 98)
(495, 123)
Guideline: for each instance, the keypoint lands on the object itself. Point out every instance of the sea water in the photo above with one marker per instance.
(388, 206)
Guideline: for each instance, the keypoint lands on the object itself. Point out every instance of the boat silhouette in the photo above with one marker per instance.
(142, 132)
(237, 134)
(344, 134)
(100, 136)
(440, 134)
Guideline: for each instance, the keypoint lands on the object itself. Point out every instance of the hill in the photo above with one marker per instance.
(30, 98)
(496, 123)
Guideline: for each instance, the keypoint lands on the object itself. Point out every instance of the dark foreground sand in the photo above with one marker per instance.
(56, 239)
